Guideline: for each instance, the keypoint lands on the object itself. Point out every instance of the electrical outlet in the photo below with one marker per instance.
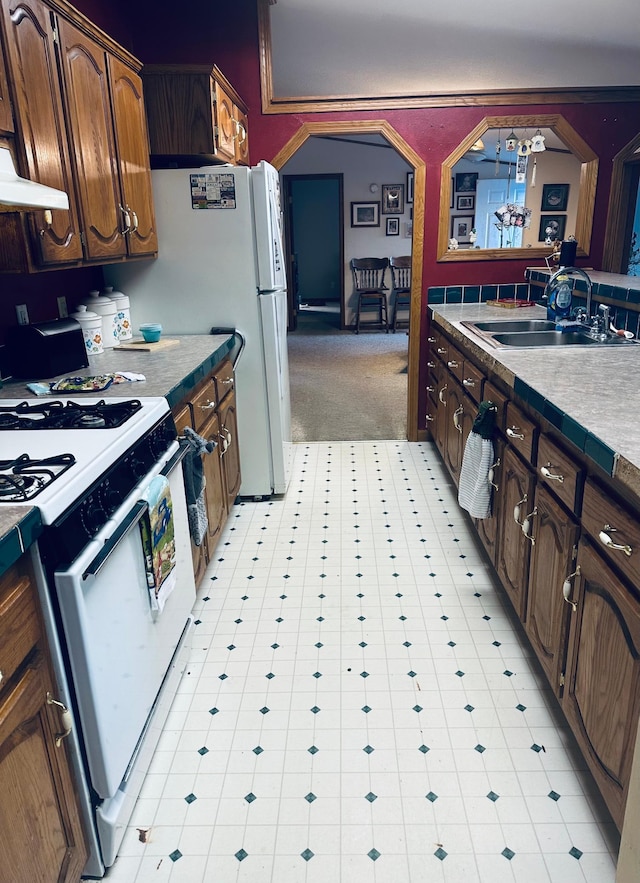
(62, 307)
(22, 314)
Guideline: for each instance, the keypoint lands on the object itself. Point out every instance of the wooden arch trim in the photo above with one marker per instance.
(382, 127)
(619, 195)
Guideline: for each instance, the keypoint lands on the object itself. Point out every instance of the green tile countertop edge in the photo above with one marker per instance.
(19, 529)
(570, 388)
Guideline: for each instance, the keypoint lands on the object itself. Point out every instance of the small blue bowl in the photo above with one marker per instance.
(151, 332)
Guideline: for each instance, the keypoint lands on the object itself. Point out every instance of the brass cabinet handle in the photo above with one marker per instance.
(452, 364)
(552, 476)
(468, 382)
(429, 418)
(430, 388)
(431, 364)
(566, 588)
(441, 351)
(135, 220)
(442, 401)
(607, 541)
(127, 220)
(65, 719)
(210, 406)
(431, 339)
(492, 473)
(512, 433)
(456, 417)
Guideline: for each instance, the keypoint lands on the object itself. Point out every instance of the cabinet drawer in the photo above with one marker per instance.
(492, 394)
(19, 622)
(455, 362)
(560, 473)
(521, 432)
(223, 379)
(203, 403)
(472, 380)
(440, 346)
(609, 523)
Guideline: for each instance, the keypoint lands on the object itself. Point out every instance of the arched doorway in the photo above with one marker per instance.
(381, 127)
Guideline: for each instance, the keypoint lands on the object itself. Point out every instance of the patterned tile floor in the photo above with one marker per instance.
(361, 706)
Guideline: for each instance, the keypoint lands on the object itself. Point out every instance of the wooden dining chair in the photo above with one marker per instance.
(368, 282)
(400, 288)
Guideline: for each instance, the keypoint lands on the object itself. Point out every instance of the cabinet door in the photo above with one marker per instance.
(133, 157)
(40, 833)
(215, 493)
(41, 130)
(242, 136)
(602, 682)
(91, 124)
(6, 115)
(230, 450)
(488, 527)
(461, 412)
(225, 124)
(513, 545)
(552, 559)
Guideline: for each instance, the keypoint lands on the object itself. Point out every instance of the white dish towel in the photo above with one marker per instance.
(474, 491)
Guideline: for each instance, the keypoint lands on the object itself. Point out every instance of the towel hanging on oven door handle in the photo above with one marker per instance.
(158, 542)
(194, 482)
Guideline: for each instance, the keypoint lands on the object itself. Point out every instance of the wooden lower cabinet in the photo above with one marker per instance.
(487, 528)
(602, 680)
(513, 546)
(41, 836)
(552, 562)
(230, 453)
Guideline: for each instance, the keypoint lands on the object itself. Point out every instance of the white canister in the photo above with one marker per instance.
(106, 308)
(91, 324)
(123, 308)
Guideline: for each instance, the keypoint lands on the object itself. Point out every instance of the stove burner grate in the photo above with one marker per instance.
(23, 478)
(68, 415)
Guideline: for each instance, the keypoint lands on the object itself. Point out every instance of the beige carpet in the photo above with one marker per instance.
(346, 386)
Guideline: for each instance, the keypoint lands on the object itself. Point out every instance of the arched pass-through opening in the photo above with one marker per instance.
(381, 127)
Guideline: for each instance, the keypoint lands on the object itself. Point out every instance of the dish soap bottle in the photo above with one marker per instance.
(558, 293)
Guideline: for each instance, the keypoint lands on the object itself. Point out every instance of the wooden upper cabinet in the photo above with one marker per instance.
(90, 121)
(194, 112)
(6, 114)
(132, 146)
(42, 139)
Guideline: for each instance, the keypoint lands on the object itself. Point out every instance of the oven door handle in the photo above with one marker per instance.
(116, 538)
(178, 457)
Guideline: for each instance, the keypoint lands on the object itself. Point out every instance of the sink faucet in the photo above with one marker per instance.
(583, 314)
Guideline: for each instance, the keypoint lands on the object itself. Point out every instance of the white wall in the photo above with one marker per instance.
(361, 165)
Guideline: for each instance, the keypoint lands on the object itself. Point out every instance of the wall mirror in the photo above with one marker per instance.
(515, 185)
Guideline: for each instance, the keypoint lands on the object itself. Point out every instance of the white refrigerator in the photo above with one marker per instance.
(221, 265)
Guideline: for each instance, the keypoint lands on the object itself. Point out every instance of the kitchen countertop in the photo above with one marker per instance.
(589, 393)
(170, 373)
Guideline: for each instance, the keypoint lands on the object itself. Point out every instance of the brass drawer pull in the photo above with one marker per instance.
(208, 407)
(431, 339)
(459, 411)
(552, 476)
(431, 364)
(468, 382)
(513, 433)
(566, 588)
(606, 540)
(452, 364)
(429, 418)
(441, 351)
(65, 718)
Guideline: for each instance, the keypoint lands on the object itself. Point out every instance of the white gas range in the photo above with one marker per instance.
(89, 465)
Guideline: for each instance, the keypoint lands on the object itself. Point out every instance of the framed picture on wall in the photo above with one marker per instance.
(409, 188)
(393, 227)
(554, 197)
(461, 227)
(551, 227)
(392, 199)
(466, 203)
(466, 182)
(365, 214)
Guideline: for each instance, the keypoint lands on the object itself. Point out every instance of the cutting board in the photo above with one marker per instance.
(141, 346)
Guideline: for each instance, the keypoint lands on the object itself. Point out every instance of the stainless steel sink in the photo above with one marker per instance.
(544, 338)
(499, 325)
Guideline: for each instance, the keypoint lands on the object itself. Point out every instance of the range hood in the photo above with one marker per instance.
(19, 192)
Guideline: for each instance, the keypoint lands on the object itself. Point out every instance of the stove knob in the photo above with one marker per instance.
(93, 517)
(137, 466)
(110, 497)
